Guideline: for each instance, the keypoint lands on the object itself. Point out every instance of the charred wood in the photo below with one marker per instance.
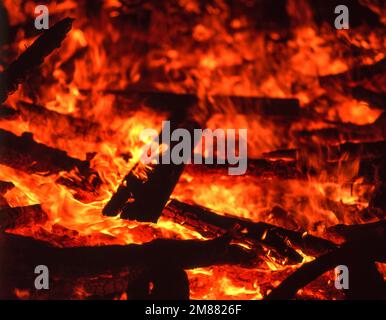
(210, 224)
(354, 76)
(347, 132)
(378, 199)
(262, 168)
(371, 169)
(359, 231)
(33, 57)
(360, 14)
(348, 151)
(7, 113)
(374, 99)
(66, 125)
(4, 25)
(5, 186)
(178, 102)
(22, 254)
(25, 154)
(18, 217)
(132, 196)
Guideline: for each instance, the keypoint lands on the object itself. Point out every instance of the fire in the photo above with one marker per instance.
(99, 58)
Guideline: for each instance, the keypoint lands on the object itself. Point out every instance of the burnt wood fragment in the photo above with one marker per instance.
(25, 154)
(33, 57)
(178, 103)
(145, 190)
(358, 255)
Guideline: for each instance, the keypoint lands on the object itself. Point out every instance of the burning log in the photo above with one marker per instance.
(144, 181)
(7, 113)
(179, 102)
(348, 151)
(353, 76)
(256, 168)
(66, 125)
(21, 255)
(378, 199)
(358, 255)
(33, 57)
(23, 153)
(281, 240)
(4, 24)
(18, 217)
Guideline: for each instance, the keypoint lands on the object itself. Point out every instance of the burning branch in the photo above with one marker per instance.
(153, 181)
(282, 241)
(21, 216)
(23, 153)
(33, 57)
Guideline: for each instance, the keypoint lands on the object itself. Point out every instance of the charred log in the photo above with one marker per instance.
(144, 181)
(33, 57)
(374, 99)
(5, 186)
(4, 25)
(359, 13)
(179, 102)
(345, 132)
(66, 125)
(354, 76)
(281, 240)
(7, 113)
(348, 151)
(359, 231)
(23, 153)
(22, 254)
(131, 197)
